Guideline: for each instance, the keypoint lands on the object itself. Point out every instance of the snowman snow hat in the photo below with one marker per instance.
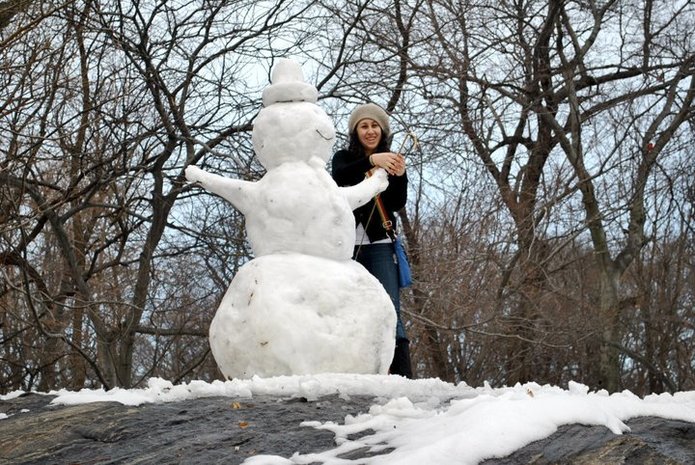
(291, 127)
(288, 85)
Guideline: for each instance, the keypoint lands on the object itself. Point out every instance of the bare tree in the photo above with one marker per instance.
(9, 9)
(550, 217)
(104, 106)
(551, 98)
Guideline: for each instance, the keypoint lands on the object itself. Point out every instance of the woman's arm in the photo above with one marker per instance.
(396, 195)
(348, 170)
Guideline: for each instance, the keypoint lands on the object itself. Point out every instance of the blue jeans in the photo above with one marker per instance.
(380, 261)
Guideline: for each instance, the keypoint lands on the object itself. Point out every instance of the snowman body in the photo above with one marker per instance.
(332, 318)
(302, 306)
(322, 228)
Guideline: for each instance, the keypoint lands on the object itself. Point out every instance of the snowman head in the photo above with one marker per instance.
(291, 127)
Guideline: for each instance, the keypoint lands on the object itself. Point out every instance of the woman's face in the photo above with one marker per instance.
(369, 134)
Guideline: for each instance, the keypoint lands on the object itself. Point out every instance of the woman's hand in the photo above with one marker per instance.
(393, 163)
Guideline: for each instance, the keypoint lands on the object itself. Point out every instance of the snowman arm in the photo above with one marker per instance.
(237, 192)
(361, 193)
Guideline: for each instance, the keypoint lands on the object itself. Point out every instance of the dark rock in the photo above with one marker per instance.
(651, 441)
(222, 430)
(200, 431)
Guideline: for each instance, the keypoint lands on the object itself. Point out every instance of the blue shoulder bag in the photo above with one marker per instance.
(405, 278)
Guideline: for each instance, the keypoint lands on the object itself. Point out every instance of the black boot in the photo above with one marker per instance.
(401, 359)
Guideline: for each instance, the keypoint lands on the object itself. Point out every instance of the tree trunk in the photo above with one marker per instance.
(609, 310)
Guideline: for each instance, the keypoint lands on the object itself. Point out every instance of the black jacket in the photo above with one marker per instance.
(349, 169)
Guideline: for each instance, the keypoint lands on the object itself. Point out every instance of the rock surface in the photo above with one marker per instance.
(222, 430)
(651, 441)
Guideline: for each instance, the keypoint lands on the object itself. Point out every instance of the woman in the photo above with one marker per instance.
(368, 148)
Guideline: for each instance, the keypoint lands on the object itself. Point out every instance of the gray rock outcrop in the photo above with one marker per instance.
(222, 430)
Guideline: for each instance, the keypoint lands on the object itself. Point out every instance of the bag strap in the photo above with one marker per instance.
(385, 220)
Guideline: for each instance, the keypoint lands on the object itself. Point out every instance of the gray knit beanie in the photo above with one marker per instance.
(373, 111)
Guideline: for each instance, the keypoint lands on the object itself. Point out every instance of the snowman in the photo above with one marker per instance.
(302, 305)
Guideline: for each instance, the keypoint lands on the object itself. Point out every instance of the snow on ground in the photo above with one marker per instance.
(422, 421)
